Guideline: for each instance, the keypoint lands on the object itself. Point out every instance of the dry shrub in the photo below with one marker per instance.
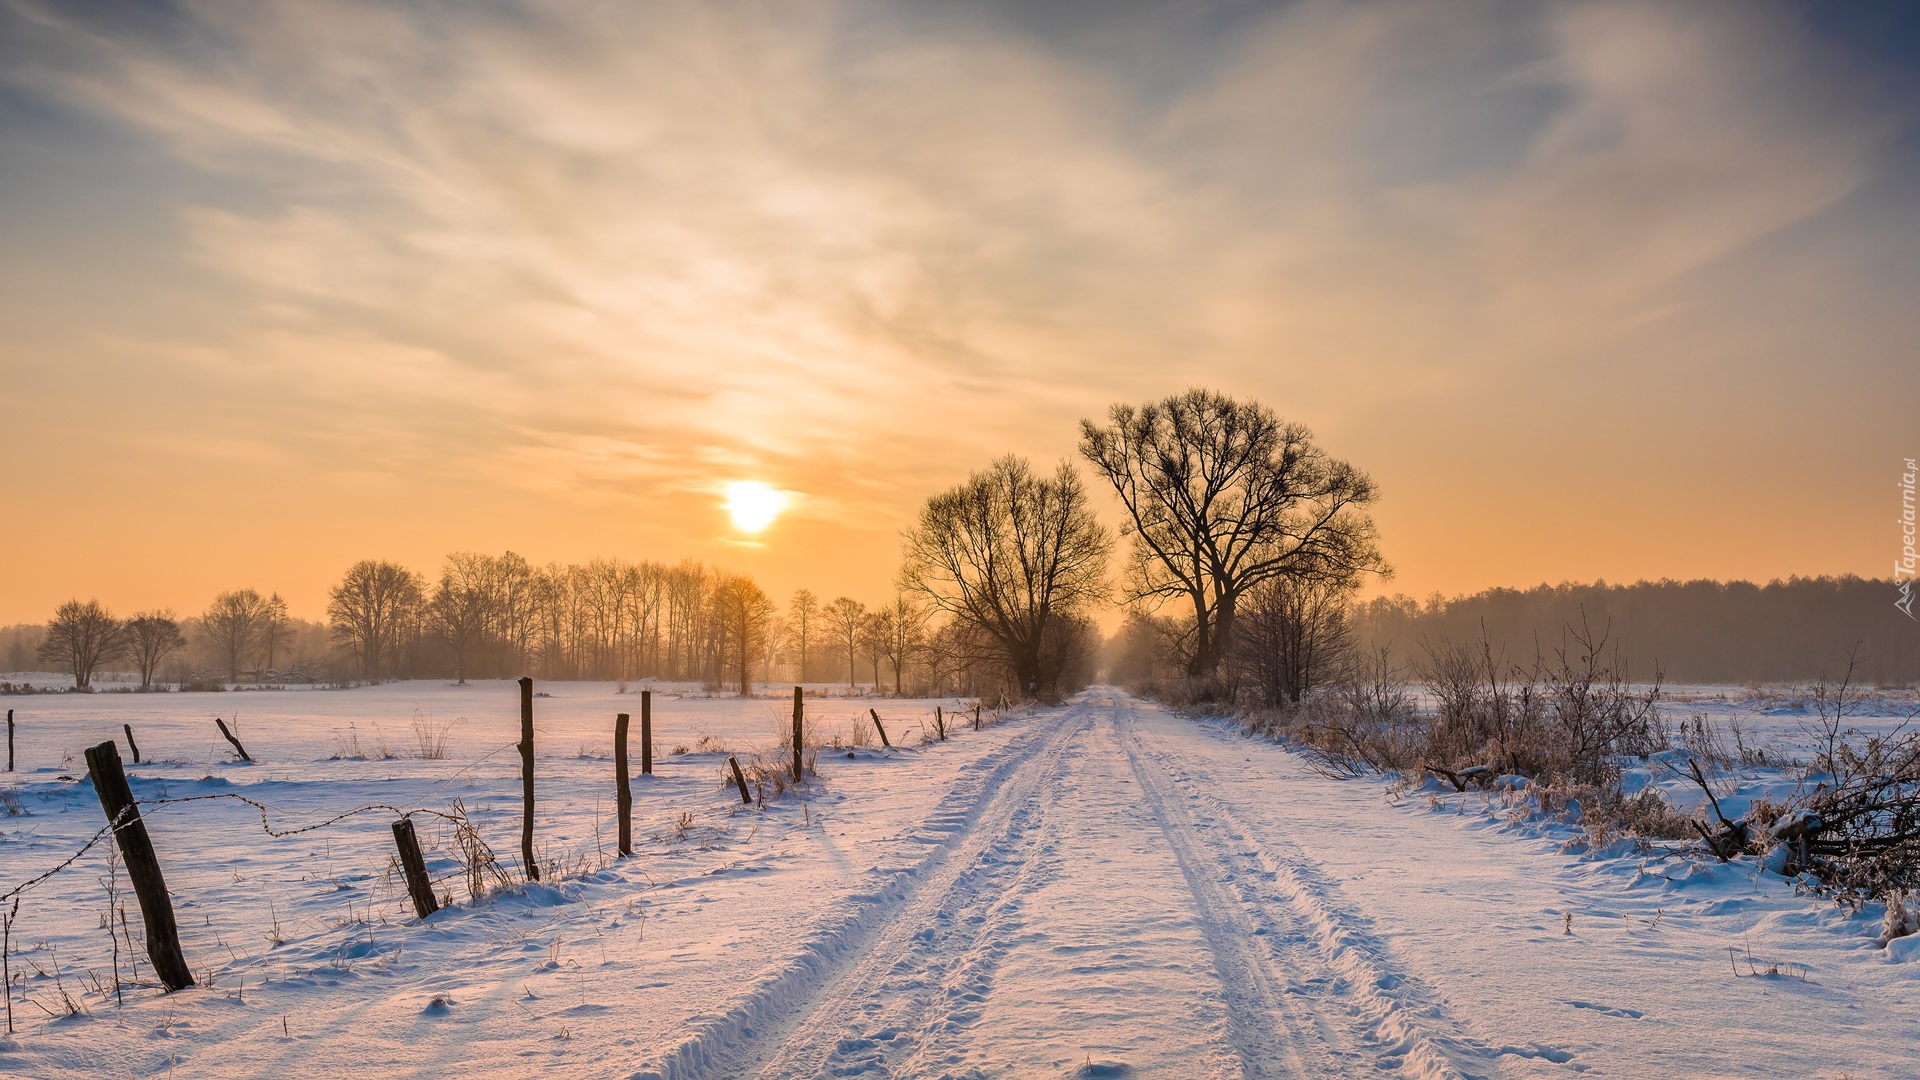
(484, 873)
(430, 737)
(1865, 800)
(1567, 723)
(770, 773)
(854, 735)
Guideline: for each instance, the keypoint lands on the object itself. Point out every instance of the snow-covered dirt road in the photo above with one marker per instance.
(1102, 889)
(1143, 894)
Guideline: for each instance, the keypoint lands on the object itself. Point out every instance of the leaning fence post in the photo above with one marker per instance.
(526, 778)
(740, 780)
(143, 866)
(131, 745)
(646, 733)
(623, 788)
(419, 885)
(799, 732)
(875, 713)
(940, 723)
(237, 748)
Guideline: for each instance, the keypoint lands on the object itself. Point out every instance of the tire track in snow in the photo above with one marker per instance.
(1326, 955)
(929, 970)
(1271, 1033)
(792, 1010)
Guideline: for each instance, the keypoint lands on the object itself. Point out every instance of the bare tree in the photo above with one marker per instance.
(876, 630)
(960, 657)
(774, 638)
(743, 610)
(1011, 552)
(802, 618)
(513, 610)
(844, 618)
(1220, 496)
(152, 636)
(1295, 634)
(465, 607)
(82, 637)
(905, 627)
(687, 609)
(233, 623)
(371, 611)
(275, 631)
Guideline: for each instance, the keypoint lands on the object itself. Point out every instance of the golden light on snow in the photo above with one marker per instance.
(753, 505)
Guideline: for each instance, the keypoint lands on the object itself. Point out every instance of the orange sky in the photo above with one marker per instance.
(1593, 290)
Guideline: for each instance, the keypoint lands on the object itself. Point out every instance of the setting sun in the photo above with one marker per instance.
(753, 505)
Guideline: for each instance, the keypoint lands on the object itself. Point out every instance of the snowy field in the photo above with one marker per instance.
(1104, 888)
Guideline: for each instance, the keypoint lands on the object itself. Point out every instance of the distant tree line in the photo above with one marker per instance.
(1713, 632)
(1689, 631)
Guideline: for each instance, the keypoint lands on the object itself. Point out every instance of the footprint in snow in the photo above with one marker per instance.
(1608, 1010)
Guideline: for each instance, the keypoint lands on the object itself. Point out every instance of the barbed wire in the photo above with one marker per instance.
(266, 824)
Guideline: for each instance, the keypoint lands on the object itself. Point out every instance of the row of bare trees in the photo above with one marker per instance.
(247, 631)
(496, 615)
(490, 616)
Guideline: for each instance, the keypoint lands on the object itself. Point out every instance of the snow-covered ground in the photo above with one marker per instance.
(1105, 888)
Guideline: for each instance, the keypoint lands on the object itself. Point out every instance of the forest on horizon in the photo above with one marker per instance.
(1700, 631)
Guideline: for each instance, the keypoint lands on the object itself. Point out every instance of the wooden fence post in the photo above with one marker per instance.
(799, 732)
(976, 716)
(143, 866)
(131, 745)
(884, 741)
(237, 748)
(9, 740)
(940, 723)
(623, 788)
(419, 885)
(646, 733)
(526, 779)
(739, 780)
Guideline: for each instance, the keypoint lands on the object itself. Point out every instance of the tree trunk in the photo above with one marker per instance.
(746, 661)
(1202, 662)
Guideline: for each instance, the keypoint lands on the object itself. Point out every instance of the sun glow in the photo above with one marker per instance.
(753, 505)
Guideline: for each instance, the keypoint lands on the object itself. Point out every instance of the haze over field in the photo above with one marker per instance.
(1599, 290)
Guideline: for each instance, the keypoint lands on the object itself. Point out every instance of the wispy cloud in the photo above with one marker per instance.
(612, 251)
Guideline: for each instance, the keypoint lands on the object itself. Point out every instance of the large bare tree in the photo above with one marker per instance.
(372, 609)
(1221, 495)
(82, 637)
(152, 636)
(1013, 553)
